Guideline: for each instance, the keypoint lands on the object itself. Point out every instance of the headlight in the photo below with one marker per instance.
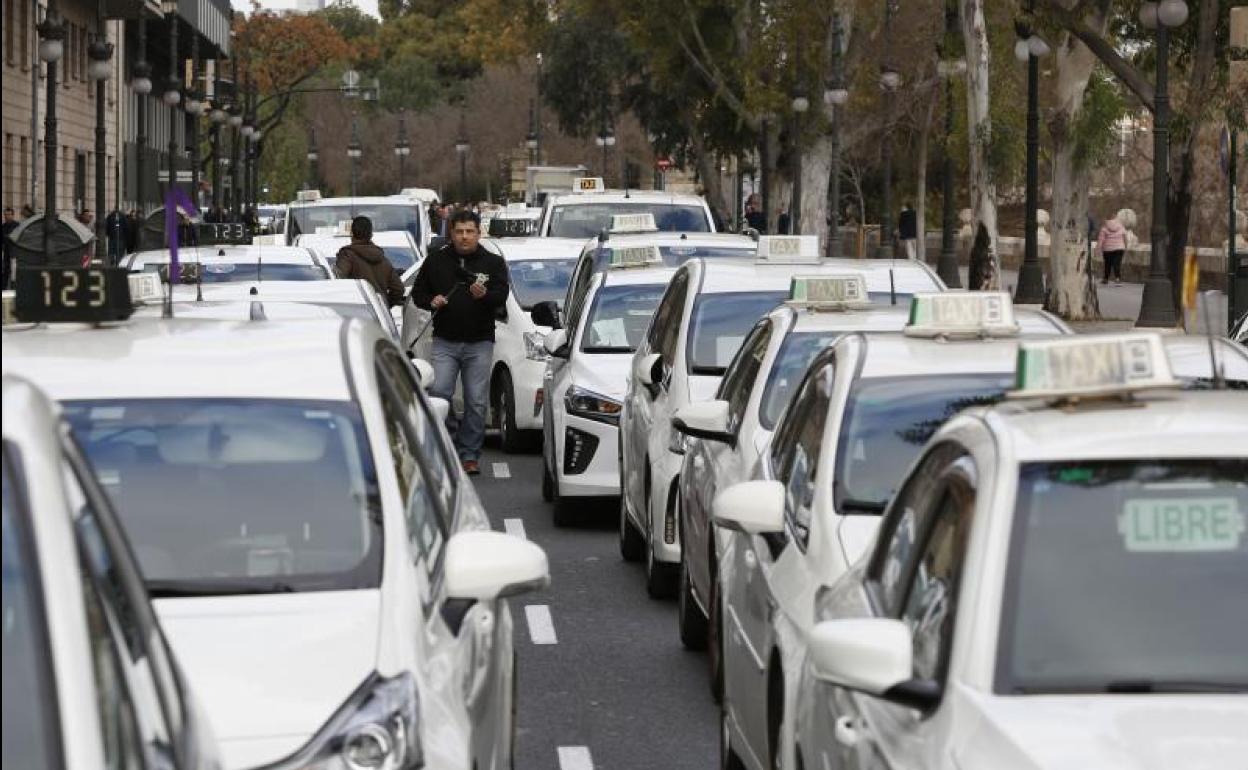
(376, 729)
(677, 442)
(534, 347)
(592, 406)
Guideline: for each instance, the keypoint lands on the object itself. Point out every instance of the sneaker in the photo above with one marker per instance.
(472, 467)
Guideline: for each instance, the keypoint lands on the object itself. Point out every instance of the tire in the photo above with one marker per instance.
(660, 576)
(510, 438)
(548, 483)
(728, 759)
(693, 624)
(715, 641)
(632, 544)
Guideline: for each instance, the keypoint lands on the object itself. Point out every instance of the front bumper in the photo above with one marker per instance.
(597, 475)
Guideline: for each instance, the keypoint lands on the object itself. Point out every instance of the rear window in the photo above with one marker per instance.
(228, 272)
(586, 220)
(720, 323)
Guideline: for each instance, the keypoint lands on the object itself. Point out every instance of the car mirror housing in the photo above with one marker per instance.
(556, 343)
(486, 565)
(871, 655)
(752, 507)
(705, 420)
(546, 314)
(649, 369)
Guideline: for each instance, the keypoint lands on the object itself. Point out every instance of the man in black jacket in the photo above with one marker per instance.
(463, 285)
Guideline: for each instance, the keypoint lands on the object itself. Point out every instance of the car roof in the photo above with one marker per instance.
(735, 275)
(1189, 357)
(249, 252)
(1187, 423)
(370, 200)
(896, 355)
(622, 196)
(345, 290)
(531, 247)
(677, 238)
(380, 238)
(1032, 322)
(185, 358)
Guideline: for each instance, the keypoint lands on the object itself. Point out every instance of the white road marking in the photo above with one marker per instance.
(515, 528)
(575, 758)
(501, 471)
(541, 627)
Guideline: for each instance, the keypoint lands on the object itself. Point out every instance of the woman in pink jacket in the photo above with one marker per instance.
(1113, 243)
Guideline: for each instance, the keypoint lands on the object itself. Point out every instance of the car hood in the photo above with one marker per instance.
(1108, 732)
(604, 373)
(270, 670)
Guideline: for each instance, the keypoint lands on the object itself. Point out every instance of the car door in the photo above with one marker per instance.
(914, 575)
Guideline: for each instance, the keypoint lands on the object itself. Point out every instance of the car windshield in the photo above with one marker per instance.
(228, 272)
(719, 325)
(1127, 576)
(385, 216)
(30, 734)
(586, 220)
(887, 421)
(675, 256)
(402, 257)
(223, 496)
(540, 280)
(787, 371)
(619, 318)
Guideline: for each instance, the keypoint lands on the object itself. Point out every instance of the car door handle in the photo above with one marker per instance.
(848, 731)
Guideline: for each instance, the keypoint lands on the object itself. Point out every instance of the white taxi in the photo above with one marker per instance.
(586, 214)
(587, 375)
(728, 433)
(227, 263)
(310, 212)
(698, 327)
(322, 566)
(1201, 361)
(1058, 583)
(863, 410)
(89, 679)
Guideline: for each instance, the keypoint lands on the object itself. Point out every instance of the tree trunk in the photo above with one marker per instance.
(708, 170)
(920, 187)
(777, 186)
(816, 171)
(983, 188)
(1072, 291)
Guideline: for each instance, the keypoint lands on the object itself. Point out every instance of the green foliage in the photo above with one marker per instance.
(283, 165)
(1103, 105)
(585, 56)
(353, 24)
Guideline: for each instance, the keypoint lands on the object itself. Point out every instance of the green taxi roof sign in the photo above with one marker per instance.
(635, 256)
(829, 292)
(1092, 366)
(633, 223)
(954, 313)
(788, 250)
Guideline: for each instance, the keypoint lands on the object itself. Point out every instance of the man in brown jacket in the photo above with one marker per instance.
(364, 259)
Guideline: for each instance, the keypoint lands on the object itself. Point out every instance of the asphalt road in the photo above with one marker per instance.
(616, 690)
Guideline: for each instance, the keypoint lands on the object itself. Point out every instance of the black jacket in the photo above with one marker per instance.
(362, 259)
(446, 272)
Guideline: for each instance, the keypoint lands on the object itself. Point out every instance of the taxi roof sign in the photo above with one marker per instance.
(308, 196)
(145, 287)
(788, 250)
(829, 292)
(961, 313)
(1092, 366)
(635, 256)
(634, 223)
(587, 184)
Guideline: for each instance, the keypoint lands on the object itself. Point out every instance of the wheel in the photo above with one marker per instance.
(715, 638)
(509, 436)
(693, 624)
(728, 759)
(548, 483)
(632, 544)
(660, 576)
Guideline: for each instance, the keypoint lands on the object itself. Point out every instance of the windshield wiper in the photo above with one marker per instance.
(1172, 686)
(605, 349)
(852, 505)
(714, 371)
(169, 589)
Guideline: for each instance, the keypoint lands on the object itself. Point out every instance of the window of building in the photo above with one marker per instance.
(10, 49)
(24, 29)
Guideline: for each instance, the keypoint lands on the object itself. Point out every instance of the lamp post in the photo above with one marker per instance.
(402, 148)
(173, 94)
(605, 140)
(1030, 48)
(530, 141)
(236, 123)
(890, 80)
(354, 151)
(195, 106)
(313, 156)
(1157, 304)
(254, 181)
(835, 96)
(461, 149)
(141, 84)
(218, 116)
(51, 48)
(950, 67)
(537, 112)
(100, 52)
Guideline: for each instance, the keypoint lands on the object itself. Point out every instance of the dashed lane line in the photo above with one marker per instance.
(575, 758)
(541, 626)
(515, 528)
(501, 471)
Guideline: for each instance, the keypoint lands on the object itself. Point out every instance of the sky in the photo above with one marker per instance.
(368, 6)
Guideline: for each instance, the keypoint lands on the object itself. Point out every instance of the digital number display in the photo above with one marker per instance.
(65, 294)
(512, 228)
(214, 233)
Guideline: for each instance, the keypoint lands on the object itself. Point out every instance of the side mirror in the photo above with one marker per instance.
(705, 420)
(752, 507)
(556, 343)
(441, 407)
(546, 314)
(424, 370)
(486, 565)
(648, 369)
(437, 242)
(871, 655)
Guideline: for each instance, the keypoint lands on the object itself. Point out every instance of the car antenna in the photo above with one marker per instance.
(1219, 379)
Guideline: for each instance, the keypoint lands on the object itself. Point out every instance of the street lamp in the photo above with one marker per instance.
(141, 84)
(950, 67)
(530, 140)
(402, 148)
(313, 157)
(835, 95)
(51, 48)
(1157, 305)
(890, 80)
(605, 140)
(354, 151)
(100, 52)
(1029, 48)
(173, 94)
(461, 149)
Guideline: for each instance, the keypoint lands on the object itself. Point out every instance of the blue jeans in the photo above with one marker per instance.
(469, 362)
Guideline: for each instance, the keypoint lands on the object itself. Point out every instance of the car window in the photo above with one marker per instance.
(740, 375)
(719, 323)
(619, 317)
(586, 220)
(31, 737)
(578, 287)
(434, 453)
(665, 328)
(791, 362)
(800, 464)
(539, 280)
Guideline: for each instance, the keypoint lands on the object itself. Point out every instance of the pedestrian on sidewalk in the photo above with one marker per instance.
(1112, 242)
(908, 231)
(10, 224)
(363, 259)
(463, 285)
